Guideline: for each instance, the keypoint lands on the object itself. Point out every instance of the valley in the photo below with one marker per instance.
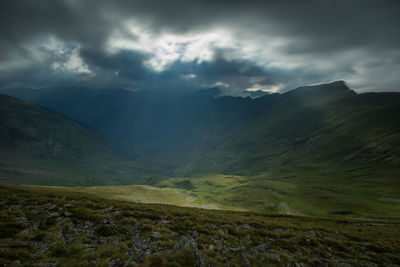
(316, 151)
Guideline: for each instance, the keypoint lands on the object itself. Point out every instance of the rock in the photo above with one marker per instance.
(68, 205)
(155, 234)
(90, 249)
(62, 220)
(35, 225)
(278, 231)
(25, 232)
(67, 214)
(195, 234)
(54, 214)
(21, 220)
(244, 259)
(191, 244)
(275, 256)
(109, 209)
(34, 211)
(130, 262)
(16, 263)
(140, 247)
(165, 222)
(105, 220)
(262, 248)
(88, 224)
(47, 264)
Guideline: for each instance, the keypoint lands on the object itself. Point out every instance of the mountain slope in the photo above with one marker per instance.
(325, 124)
(24, 126)
(41, 146)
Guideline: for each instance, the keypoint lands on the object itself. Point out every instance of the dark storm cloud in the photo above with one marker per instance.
(355, 40)
(129, 65)
(126, 63)
(329, 25)
(215, 68)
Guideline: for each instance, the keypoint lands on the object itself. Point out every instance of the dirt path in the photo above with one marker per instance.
(288, 211)
(390, 200)
(286, 207)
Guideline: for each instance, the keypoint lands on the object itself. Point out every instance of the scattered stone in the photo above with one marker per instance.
(246, 226)
(263, 248)
(89, 249)
(67, 214)
(54, 214)
(105, 220)
(140, 247)
(16, 263)
(25, 232)
(275, 256)
(191, 244)
(195, 234)
(88, 224)
(244, 259)
(47, 264)
(109, 209)
(155, 234)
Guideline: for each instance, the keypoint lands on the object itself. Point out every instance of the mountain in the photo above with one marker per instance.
(28, 127)
(199, 132)
(316, 150)
(41, 146)
(254, 94)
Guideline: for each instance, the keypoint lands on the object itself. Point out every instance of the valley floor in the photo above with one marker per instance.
(47, 226)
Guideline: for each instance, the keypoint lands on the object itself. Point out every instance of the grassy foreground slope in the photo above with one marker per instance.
(43, 226)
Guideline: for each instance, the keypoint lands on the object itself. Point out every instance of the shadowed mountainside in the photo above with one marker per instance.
(41, 146)
(192, 132)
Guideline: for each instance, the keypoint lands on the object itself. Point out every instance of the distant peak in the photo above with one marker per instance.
(336, 86)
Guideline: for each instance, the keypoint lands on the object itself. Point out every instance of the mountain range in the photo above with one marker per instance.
(191, 132)
(315, 150)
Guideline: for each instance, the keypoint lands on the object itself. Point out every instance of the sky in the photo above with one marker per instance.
(236, 46)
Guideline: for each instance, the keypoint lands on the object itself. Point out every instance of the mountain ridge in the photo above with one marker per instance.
(175, 127)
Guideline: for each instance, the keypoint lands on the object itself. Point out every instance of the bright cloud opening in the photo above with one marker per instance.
(266, 88)
(167, 48)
